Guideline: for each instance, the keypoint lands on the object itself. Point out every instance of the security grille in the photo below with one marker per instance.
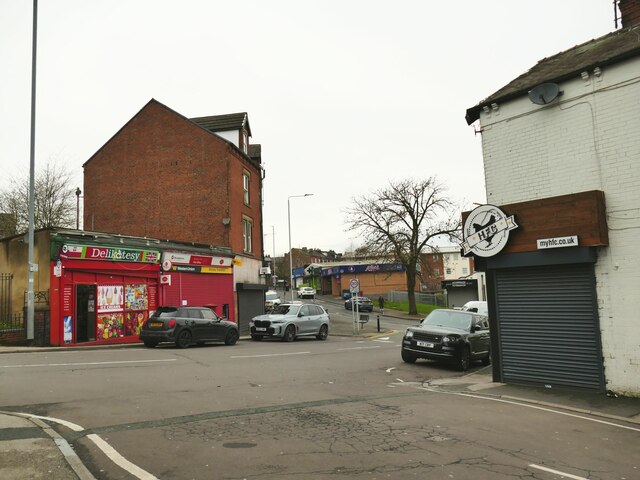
(548, 326)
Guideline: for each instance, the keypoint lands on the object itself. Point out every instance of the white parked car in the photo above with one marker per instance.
(290, 320)
(476, 306)
(306, 292)
(271, 300)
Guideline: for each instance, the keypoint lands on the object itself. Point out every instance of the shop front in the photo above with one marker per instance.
(539, 257)
(198, 279)
(101, 294)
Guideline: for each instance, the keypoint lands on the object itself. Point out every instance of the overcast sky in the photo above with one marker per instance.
(343, 95)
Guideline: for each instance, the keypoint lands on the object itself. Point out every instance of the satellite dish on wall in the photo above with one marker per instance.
(544, 93)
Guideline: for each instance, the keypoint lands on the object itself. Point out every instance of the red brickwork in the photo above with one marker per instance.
(163, 176)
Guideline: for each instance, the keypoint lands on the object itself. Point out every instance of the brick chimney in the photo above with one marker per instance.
(629, 12)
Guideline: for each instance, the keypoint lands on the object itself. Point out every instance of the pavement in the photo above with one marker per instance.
(31, 449)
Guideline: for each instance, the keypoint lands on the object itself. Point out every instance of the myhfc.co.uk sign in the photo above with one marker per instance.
(486, 231)
(114, 254)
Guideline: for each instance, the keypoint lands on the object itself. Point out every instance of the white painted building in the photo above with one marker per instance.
(549, 145)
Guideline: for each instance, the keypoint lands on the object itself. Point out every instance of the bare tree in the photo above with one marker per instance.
(399, 221)
(54, 204)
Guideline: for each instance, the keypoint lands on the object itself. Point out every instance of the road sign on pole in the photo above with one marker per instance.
(354, 285)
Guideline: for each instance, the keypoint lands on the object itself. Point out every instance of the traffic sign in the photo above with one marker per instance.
(354, 284)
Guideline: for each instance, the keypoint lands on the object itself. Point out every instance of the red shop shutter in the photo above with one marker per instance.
(199, 289)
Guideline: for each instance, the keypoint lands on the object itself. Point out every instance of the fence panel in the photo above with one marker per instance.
(438, 299)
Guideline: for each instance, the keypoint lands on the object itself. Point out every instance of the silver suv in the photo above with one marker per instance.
(290, 320)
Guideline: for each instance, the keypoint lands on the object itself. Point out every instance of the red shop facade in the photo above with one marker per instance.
(198, 279)
(102, 294)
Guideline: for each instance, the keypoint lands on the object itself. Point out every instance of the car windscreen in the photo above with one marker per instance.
(272, 296)
(286, 310)
(448, 318)
(164, 312)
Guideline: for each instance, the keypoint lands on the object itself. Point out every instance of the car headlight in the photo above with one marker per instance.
(408, 334)
(450, 339)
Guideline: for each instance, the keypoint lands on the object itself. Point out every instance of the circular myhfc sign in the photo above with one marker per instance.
(486, 231)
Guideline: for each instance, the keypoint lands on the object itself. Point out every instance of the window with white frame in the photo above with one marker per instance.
(245, 142)
(246, 177)
(247, 229)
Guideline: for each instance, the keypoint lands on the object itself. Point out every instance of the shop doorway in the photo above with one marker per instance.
(85, 313)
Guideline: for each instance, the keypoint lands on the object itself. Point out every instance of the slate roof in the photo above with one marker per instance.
(220, 123)
(608, 49)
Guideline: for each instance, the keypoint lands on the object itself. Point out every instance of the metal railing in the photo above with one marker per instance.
(439, 299)
(12, 323)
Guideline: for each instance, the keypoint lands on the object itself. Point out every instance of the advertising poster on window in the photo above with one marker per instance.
(136, 297)
(133, 322)
(68, 329)
(110, 298)
(110, 325)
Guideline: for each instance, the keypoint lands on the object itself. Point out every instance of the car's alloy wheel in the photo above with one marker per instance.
(323, 333)
(407, 356)
(232, 337)
(150, 343)
(464, 360)
(184, 339)
(289, 334)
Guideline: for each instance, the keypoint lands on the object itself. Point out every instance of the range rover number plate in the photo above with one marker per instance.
(424, 344)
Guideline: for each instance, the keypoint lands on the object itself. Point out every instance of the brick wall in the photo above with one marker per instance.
(163, 176)
(590, 142)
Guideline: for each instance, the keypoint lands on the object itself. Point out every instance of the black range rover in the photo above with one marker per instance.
(452, 336)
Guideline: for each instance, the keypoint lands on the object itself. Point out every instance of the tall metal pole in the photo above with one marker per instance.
(78, 192)
(32, 266)
(290, 253)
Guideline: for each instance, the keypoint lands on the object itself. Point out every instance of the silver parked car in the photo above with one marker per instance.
(290, 320)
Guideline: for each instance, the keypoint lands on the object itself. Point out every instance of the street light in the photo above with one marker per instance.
(289, 224)
(78, 192)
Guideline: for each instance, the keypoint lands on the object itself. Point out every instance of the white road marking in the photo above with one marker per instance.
(78, 364)
(382, 338)
(270, 355)
(107, 449)
(119, 460)
(383, 341)
(389, 370)
(556, 472)
(400, 380)
(535, 407)
(357, 348)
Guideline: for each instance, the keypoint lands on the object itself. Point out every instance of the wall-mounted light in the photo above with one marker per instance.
(226, 221)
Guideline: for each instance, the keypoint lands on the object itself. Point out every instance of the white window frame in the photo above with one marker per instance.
(247, 234)
(246, 182)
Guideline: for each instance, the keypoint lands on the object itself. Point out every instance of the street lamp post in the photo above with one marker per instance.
(290, 253)
(78, 192)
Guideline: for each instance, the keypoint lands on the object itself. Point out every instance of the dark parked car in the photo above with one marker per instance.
(185, 326)
(363, 304)
(452, 336)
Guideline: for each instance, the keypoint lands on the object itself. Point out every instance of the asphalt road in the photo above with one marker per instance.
(347, 407)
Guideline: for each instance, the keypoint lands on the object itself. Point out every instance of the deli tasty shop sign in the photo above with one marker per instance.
(114, 254)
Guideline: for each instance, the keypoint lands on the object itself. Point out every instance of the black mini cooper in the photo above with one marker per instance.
(452, 336)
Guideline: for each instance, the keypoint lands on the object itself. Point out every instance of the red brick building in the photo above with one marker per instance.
(166, 176)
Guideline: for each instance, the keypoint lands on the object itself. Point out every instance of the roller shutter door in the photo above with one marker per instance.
(548, 326)
(250, 304)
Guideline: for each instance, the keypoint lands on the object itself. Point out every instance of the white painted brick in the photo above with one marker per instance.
(592, 143)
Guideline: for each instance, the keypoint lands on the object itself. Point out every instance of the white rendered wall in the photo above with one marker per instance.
(589, 140)
(232, 136)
